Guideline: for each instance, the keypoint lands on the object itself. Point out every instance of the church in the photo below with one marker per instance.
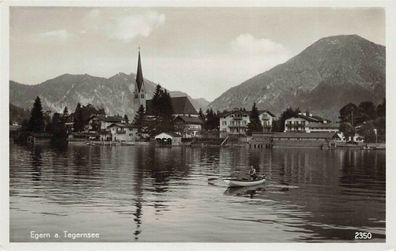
(186, 119)
(182, 106)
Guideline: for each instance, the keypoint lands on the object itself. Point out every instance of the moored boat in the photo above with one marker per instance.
(244, 183)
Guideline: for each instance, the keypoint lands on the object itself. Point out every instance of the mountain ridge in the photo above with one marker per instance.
(113, 93)
(350, 59)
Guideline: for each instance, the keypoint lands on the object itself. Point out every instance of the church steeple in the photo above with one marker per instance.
(139, 92)
(139, 74)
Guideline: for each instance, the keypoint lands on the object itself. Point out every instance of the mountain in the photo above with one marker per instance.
(322, 78)
(114, 93)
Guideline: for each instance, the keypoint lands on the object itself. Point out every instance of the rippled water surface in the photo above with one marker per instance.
(143, 193)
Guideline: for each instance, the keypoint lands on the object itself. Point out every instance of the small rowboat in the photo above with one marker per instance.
(245, 183)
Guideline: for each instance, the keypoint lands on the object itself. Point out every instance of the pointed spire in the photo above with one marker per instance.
(139, 74)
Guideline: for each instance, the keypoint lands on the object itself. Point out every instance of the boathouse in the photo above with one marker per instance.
(168, 138)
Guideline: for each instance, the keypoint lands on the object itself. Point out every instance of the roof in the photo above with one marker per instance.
(311, 118)
(237, 112)
(270, 113)
(114, 119)
(139, 74)
(100, 117)
(180, 105)
(121, 125)
(172, 134)
(190, 120)
(324, 135)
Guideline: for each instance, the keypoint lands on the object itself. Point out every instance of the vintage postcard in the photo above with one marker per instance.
(181, 122)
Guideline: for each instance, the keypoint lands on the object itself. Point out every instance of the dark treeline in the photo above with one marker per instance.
(366, 119)
(40, 122)
(160, 119)
(82, 114)
(211, 119)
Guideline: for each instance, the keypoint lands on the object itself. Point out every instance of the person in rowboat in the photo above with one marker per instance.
(252, 173)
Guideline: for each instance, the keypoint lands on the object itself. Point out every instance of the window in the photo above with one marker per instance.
(142, 95)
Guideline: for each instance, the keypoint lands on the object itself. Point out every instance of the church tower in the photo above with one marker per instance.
(139, 94)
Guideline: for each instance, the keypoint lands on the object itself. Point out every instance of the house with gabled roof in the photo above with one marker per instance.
(234, 123)
(187, 126)
(307, 122)
(122, 132)
(266, 118)
(101, 122)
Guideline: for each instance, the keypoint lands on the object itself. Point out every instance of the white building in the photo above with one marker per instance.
(102, 122)
(306, 122)
(188, 127)
(122, 132)
(234, 123)
(266, 119)
(356, 138)
(322, 127)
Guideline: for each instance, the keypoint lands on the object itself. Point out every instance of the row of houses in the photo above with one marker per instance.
(187, 123)
(303, 129)
(236, 123)
(115, 128)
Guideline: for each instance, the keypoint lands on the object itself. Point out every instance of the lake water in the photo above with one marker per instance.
(143, 193)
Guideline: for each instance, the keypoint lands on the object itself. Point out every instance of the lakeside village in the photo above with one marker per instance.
(172, 121)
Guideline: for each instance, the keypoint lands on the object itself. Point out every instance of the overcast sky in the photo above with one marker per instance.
(201, 51)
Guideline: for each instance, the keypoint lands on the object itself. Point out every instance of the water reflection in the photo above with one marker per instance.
(245, 191)
(36, 163)
(144, 193)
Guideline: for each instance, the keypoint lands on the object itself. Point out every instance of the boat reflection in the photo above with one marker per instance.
(250, 191)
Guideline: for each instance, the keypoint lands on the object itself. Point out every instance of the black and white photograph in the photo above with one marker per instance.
(197, 124)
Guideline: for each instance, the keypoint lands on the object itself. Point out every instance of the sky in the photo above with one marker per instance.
(197, 50)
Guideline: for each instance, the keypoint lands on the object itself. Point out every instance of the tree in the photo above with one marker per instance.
(201, 115)
(138, 121)
(368, 110)
(58, 128)
(82, 114)
(352, 114)
(255, 124)
(212, 120)
(367, 130)
(78, 119)
(162, 110)
(347, 129)
(36, 122)
(155, 101)
(279, 125)
(65, 112)
(126, 118)
(381, 109)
